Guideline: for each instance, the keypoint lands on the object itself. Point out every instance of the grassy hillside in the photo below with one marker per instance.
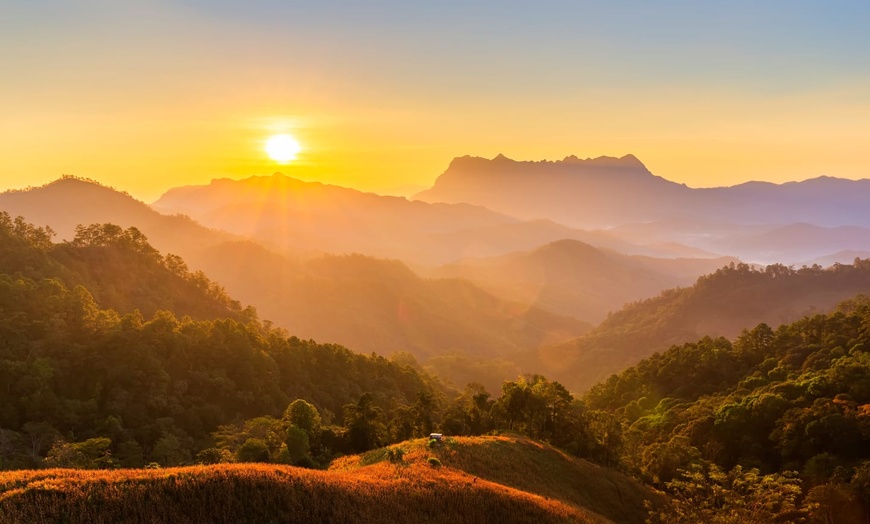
(487, 479)
(519, 464)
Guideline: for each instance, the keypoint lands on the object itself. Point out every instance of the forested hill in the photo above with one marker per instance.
(795, 398)
(80, 379)
(719, 304)
(117, 266)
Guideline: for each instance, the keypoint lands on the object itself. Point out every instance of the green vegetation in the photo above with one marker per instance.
(525, 465)
(721, 304)
(792, 399)
(118, 267)
(163, 389)
(771, 426)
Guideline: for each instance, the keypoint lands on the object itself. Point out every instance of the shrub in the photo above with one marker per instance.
(396, 456)
(434, 462)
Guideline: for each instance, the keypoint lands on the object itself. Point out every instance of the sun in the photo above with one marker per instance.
(282, 148)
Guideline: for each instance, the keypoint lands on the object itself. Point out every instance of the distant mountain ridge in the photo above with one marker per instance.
(607, 191)
(364, 303)
(573, 278)
(323, 218)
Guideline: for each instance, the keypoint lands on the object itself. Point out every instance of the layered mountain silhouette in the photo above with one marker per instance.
(607, 191)
(69, 202)
(364, 303)
(315, 217)
(577, 279)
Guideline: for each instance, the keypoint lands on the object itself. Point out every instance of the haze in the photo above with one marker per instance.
(475, 262)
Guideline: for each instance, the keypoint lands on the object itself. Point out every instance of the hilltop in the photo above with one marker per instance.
(518, 463)
(482, 479)
(69, 202)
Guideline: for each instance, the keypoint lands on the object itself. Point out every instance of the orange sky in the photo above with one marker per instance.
(177, 93)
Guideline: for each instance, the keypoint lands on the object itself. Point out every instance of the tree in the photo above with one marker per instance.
(40, 436)
(253, 450)
(833, 503)
(297, 445)
(363, 421)
(861, 484)
(305, 417)
(745, 496)
(168, 451)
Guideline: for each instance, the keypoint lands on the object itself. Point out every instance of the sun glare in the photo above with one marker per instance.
(282, 148)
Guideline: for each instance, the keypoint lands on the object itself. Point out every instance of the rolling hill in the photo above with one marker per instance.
(369, 305)
(721, 304)
(482, 479)
(573, 278)
(69, 202)
(379, 305)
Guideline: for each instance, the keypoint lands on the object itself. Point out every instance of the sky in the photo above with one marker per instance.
(148, 95)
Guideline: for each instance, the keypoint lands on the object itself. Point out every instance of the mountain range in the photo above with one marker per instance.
(478, 284)
(608, 191)
(364, 303)
(311, 217)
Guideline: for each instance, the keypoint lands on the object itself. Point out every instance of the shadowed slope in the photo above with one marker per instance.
(381, 305)
(721, 304)
(573, 278)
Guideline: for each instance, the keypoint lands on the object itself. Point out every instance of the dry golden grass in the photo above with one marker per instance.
(526, 466)
(482, 480)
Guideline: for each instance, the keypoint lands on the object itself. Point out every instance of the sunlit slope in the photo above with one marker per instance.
(516, 463)
(412, 492)
(119, 268)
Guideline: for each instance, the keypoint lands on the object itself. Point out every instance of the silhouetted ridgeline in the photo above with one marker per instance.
(606, 191)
